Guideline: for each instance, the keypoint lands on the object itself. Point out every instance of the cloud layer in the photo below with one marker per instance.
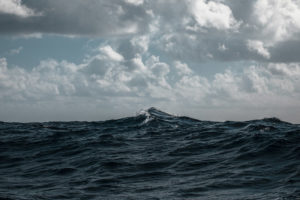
(150, 55)
(253, 30)
(109, 79)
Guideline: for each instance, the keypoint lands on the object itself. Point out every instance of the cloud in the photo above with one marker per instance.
(278, 19)
(109, 74)
(106, 76)
(79, 18)
(222, 47)
(111, 54)
(192, 31)
(234, 31)
(16, 51)
(182, 68)
(213, 14)
(191, 37)
(135, 2)
(15, 7)
(258, 46)
(3, 65)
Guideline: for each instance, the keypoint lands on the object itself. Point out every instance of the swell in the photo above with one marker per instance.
(153, 155)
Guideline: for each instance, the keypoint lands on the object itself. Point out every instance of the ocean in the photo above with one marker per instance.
(153, 155)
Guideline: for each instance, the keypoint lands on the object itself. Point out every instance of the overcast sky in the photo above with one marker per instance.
(101, 59)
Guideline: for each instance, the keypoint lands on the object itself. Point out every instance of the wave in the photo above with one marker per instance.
(153, 155)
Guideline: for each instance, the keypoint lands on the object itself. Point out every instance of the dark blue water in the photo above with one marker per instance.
(153, 155)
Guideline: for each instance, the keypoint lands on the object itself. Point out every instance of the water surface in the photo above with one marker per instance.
(153, 155)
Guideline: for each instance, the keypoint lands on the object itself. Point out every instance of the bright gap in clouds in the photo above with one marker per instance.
(95, 60)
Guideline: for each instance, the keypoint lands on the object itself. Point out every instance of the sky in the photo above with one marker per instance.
(91, 60)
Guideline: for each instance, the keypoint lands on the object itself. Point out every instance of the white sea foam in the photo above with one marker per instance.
(145, 113)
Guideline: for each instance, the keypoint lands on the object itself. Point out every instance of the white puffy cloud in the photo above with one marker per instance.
(104, 73)
(258, 46)
(279, 19)
(140, 43)
(182, 68)
(111, 54)
(15, 7)
(213, 14)
(159, 69)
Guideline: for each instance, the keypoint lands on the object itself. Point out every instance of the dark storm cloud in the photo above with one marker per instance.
(287, 51)
(77, 17)
(192, 30)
